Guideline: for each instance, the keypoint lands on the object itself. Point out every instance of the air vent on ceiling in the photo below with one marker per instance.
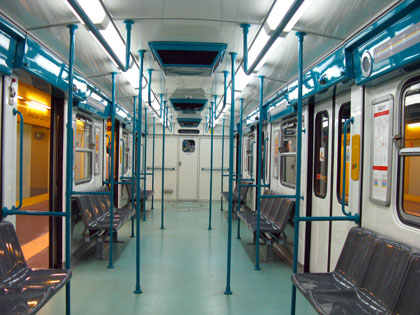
(189, 122)
(188, 58)
(188, 131)
(188, 105)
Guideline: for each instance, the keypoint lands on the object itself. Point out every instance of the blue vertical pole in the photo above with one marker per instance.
(140, 100)
(111, 179)
(145, 163)
(240, 166)
(232, 122)
(133, 164)
(223, 156)
(128, 26)
(211, 159)
(300, 36)
(162, 226)
(69, 161)
(258, 186)
(153, 160)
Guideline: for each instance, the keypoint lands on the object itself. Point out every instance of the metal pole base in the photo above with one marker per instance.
(209, 228)
(221, 204)
(162, 227)
(257, 268)
(138, 291)
(228, 292)
(110, 266)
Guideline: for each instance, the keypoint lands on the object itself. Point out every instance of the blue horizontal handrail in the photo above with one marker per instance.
(6, 212)
(355, 218)
(106, 193)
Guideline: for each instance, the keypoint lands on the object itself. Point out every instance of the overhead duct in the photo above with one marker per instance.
(188, 58)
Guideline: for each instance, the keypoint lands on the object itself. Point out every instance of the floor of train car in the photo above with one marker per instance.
(33, 234)
(183, 271)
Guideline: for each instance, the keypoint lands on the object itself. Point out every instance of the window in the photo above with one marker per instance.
(84, 151)
(188, 146)
(126, 154)
(288, 153)
(410, 156)
(322, 128)
(343, 115)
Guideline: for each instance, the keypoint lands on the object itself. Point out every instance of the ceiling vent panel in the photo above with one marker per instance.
(189, 122)
(188, 58)
(188, 105)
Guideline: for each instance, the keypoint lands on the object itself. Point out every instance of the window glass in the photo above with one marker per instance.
(188, 146)
(126, 153)
(321, 154)
(343, 115)
(411, 164)
(288, 153)
(84, 150)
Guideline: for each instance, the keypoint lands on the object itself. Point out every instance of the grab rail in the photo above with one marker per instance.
(343, 195)
(16, 112)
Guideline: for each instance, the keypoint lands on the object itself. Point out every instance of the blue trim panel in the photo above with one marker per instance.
(7, 53)
(38, 61)
(393, 48)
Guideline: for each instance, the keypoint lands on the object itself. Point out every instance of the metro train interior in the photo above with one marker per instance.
(210, 157)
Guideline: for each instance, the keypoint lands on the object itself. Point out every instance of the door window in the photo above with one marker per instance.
(321, 154)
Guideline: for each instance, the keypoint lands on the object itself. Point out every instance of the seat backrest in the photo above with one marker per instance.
(385, 272)
(285, 209)
(129, 191)
(271, 202)
(244, 190)
(278, 204)
(408, 301)
(104, 203)
(355, 255)
(264, 201)
(86, 210)
(12, 261)
(96, 207)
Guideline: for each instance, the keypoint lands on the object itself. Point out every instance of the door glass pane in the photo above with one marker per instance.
(321, 154)
(411, 182)
(343, 115)
(188, 146)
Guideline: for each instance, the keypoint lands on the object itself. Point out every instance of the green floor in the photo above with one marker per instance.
(183, 271)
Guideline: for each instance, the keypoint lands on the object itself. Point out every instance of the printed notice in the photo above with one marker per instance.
(381, 134)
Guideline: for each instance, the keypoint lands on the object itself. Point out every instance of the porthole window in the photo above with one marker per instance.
(188, 146)
(321, 154)
(84, 150)
(409, 154)
(288, 154)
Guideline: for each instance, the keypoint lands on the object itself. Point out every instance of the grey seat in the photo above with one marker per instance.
(350, 269)
(24, 290)
(377, 292)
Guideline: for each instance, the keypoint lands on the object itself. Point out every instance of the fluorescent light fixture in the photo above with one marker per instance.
(114, 40)
(93, 9)
(133, 76)
(242, 79)
(38, 105)
(257, 46)
(95, 12)
(296, 17)
(268, 54)
(278, 12)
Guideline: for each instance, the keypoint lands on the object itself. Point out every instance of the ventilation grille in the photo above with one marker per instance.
(189, 122)
(188, 58)
(188, 131)
(188, 105)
